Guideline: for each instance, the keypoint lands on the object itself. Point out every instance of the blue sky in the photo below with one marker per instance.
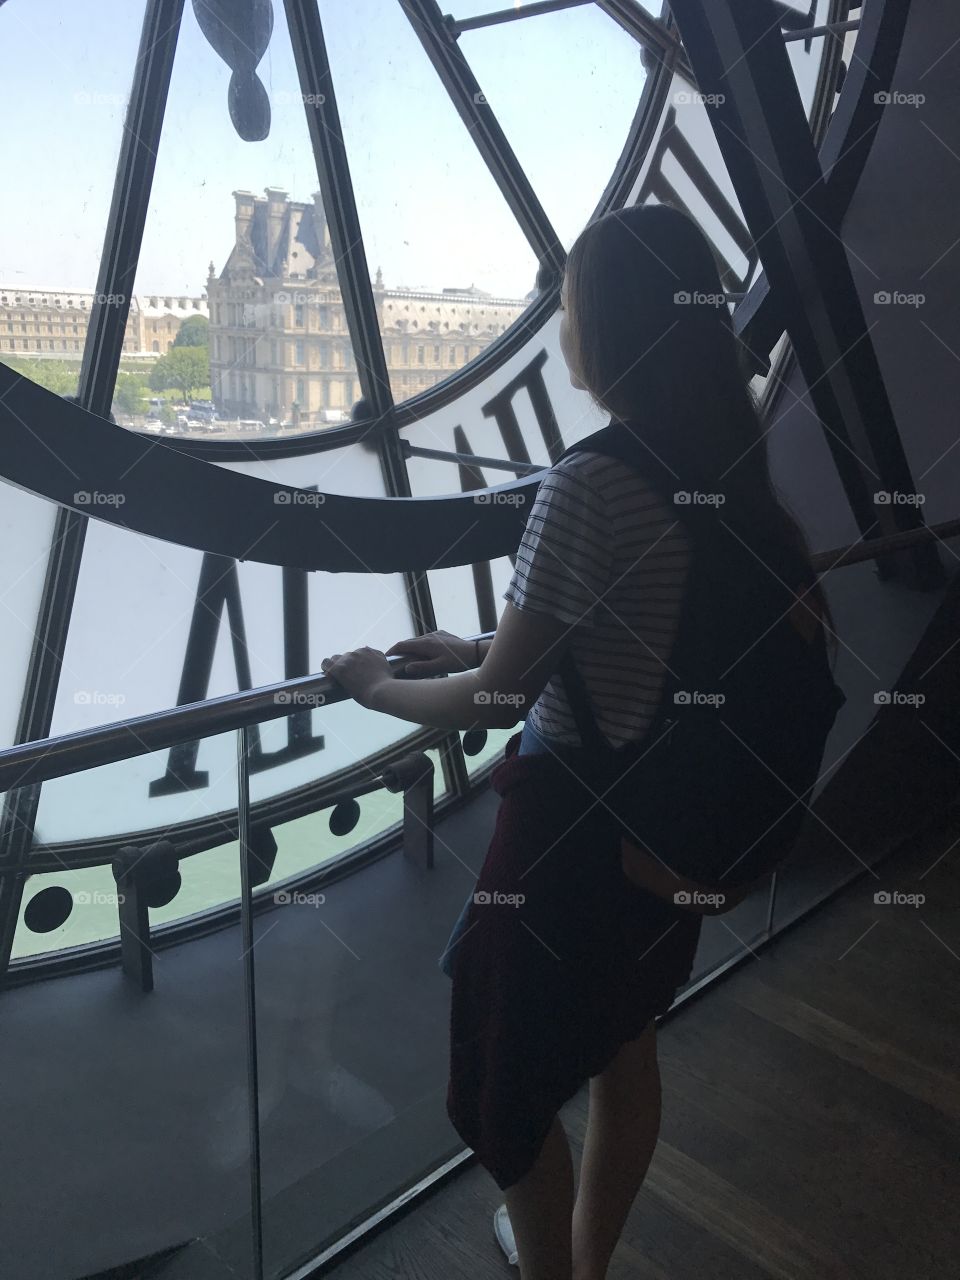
(564, 86)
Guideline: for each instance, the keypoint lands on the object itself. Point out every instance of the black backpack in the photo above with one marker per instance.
(718, 786)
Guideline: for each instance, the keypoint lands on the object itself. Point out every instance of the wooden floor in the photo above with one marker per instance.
(811, 1112)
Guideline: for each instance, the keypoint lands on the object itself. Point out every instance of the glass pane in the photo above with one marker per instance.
(115, 801)
(492, 748)
(477, 8)
(806, 61)
(352, 1024)
(170, 640)
(26, 531)
(585, 74)
(350, 469)
(451, 267)
(145, 1090)
(66, 72)
(320, 835)
(510, 415)
(241, 327)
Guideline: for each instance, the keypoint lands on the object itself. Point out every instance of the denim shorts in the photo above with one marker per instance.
(530, 741)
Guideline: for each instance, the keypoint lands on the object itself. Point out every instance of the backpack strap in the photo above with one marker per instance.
(575, 688)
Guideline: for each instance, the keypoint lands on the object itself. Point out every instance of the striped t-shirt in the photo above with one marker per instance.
(603, 551)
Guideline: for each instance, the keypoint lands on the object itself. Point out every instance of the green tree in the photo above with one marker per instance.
(193, 332)
(55, 375)
(183, 369)
(130, 394)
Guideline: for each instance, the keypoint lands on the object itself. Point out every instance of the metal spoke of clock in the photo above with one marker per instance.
(444, 455)
(828, 29)
(461, 85)
(346, 238)
(459, 25)
(764, 137)
(649, 32)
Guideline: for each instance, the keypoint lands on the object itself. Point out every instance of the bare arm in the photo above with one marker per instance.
(517, 663)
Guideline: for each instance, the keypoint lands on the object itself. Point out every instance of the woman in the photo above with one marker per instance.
(562, 959)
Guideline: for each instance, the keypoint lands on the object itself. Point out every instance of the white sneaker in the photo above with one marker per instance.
(504, 1233)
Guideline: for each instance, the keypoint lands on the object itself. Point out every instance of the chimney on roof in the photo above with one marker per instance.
(320, 222)
(244, 215)
(277, 200)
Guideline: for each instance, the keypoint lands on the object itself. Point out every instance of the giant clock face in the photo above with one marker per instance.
(256, 335)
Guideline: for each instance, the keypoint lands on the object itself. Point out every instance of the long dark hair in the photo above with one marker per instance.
(654, 345)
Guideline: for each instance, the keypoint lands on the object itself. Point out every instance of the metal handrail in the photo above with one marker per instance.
(48, 758)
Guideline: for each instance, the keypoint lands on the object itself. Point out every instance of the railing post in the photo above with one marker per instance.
(413, 775)
(143, 875)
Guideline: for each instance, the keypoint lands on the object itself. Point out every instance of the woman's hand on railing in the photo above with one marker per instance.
(437, 653)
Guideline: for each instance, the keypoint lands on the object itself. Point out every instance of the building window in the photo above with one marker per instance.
(436, 355)
(298, 316)
(298, 352)
(453, 355)
(421, 355)
(300, 392)
(273, 353)
(155, 345)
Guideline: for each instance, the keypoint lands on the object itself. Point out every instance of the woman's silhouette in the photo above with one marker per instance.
(562, 959)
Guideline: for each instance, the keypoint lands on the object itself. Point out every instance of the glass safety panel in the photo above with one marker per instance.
(353, 1011)
(143, 1091)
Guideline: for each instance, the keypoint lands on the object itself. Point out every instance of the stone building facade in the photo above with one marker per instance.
(50, 324)
(279, 345)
